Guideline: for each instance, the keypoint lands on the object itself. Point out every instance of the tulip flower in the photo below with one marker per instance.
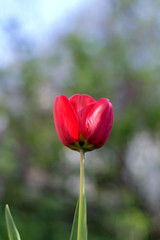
(82, 122)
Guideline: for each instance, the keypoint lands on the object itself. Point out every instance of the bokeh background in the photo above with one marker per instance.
(101, 48)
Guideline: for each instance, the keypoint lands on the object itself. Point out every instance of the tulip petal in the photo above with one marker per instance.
(82, 104)
(65, 119)
(99, 123)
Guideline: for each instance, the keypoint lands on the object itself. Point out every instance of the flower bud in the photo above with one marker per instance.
(82, 122)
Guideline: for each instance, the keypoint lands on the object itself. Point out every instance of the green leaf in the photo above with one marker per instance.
(75, 224)
(85, 233)
(13, 233)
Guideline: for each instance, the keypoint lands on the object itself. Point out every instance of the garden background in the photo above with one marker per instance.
(104, 49)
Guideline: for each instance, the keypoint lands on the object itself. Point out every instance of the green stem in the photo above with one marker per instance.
(81, 196)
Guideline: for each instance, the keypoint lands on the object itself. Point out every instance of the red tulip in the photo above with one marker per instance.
(82, 122)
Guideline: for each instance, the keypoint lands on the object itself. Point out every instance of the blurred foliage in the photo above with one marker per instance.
(38, 180)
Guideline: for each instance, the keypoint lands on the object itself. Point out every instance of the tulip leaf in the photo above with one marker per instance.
(84, 219)
(75, 221)
(85, 233)
(13, 233)
(75, 224)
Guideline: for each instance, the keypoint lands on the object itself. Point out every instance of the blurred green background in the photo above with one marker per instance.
(106, 49)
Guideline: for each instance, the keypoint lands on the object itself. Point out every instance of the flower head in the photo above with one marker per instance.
(82, 122)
